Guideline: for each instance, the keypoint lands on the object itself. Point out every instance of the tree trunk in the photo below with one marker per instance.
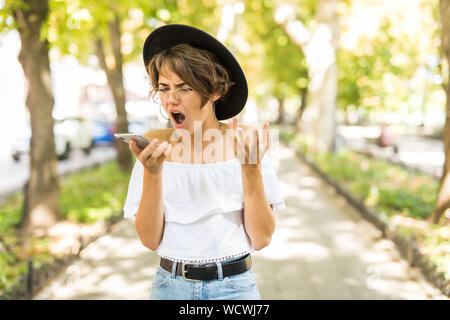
(280, 119)
(443, 198)
(323, 74)
(319, 47)
(301, 109)
(114, 75)
(41, 208)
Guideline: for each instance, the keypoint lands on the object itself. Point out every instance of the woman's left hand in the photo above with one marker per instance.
(250, 147)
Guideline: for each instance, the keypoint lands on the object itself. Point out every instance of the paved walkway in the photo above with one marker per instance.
(321, 249)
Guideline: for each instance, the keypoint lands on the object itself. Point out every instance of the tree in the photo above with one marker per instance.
(274, 59)
(95, 28)
(41, 209)
(114, 75)
(319, 46)
(443, 198)
(381, 65)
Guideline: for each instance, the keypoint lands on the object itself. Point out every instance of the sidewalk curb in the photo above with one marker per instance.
(406, 246)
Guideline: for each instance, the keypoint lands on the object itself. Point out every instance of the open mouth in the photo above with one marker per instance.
(178, 117)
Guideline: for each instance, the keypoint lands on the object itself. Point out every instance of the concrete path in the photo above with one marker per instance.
(321, 249)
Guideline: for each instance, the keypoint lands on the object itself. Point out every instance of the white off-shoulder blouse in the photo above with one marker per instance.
(203, 208)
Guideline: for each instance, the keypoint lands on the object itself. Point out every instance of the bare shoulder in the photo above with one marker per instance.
(160, 134)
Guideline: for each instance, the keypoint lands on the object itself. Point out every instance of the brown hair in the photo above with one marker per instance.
(198, 68)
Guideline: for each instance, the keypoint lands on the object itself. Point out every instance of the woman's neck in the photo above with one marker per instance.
(201, 139)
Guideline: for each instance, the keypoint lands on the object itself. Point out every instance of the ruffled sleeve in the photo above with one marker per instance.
(134, 191)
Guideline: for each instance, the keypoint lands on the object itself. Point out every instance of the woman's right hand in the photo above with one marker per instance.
(153, 155)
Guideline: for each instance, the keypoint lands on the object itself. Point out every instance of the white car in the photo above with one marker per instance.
(70, 134)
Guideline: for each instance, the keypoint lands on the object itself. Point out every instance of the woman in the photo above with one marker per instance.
(203, 206)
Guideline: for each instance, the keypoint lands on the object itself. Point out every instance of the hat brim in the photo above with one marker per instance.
(170, 35)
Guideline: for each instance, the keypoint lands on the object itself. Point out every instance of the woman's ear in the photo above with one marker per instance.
(215, 97)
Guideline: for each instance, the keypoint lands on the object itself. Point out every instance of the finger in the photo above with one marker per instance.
(249, 140)
(256, 147)
(239, 145)
(134, 148)
(168, 150)
(235, 123)
(246, 147)
(149, 149)
(241, 136)
(159, 150)
(265, 138)
(253, 146)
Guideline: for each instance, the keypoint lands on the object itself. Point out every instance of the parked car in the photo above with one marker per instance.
(103, 132)
(70, 134)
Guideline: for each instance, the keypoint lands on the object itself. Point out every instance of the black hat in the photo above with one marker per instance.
(172, 34)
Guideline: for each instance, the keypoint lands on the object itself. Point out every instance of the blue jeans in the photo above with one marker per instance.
(170, 286)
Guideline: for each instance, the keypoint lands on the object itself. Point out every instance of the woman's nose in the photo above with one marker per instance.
(172, 97)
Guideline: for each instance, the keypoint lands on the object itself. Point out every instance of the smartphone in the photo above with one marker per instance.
(140, 140)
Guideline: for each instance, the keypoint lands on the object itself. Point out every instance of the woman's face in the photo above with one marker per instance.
(183, 107)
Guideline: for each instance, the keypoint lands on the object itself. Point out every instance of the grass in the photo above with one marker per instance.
(94, 194)
(85, 197)
(405, 198)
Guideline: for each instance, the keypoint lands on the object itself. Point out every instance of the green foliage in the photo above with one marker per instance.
(94, 194)
(6, 13)
(442, 262)
(10, 213)
(14, 261)
(436, 244)
(74, 25)
(274, 59)
(378, 62)
(406, 201)
(287, 135)
(9, 270)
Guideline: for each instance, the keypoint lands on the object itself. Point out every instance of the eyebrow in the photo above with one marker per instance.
(177, 85)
